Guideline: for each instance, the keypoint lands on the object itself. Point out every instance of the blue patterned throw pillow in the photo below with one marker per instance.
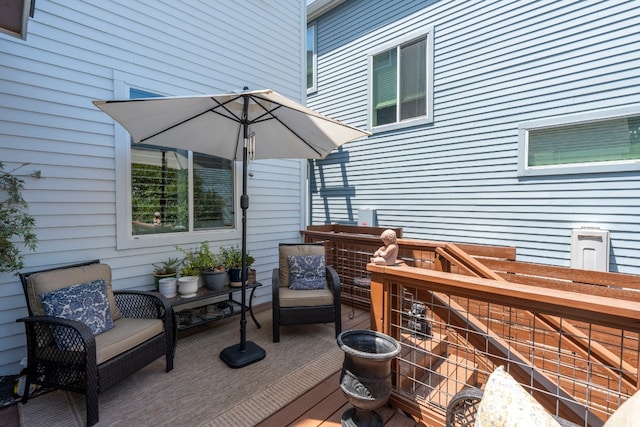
(84, 302)
(307, 272)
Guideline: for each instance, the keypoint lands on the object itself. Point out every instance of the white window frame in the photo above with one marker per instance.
(124, 237)
(314, 87)
(573, 168)
(426, 33)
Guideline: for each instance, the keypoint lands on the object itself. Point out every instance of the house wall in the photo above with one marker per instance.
(496, 65)
(78, 51)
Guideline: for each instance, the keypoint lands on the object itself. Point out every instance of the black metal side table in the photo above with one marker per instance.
(227, 308)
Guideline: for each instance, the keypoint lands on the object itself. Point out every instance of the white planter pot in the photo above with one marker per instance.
(167, 287)
(188, 286)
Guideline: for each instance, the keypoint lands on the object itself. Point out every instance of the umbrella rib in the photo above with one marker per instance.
(230, 116)
(313, 113)
(270, 112)
(224, 106)
(173, 126)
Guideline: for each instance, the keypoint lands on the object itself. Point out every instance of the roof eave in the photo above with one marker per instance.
(318, 8)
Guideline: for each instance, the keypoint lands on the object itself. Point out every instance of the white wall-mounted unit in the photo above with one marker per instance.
(367, 217)
(590, 249)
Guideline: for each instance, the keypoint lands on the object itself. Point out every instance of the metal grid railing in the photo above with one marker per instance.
(350, 256)
(579, 370)
(449, 343)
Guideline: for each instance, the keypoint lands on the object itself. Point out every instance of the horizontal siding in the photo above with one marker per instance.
(497, 64)
(73, 52)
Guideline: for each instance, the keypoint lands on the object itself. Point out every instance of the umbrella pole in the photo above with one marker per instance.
(247, 352)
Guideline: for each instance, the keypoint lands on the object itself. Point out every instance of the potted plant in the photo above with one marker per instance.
(188, 282)
(203, 262)
(214, 273)
(165, 269)
(190, 268)
(232, 258)
(15, 222)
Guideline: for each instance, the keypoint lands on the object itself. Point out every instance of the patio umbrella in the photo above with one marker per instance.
(259, 124)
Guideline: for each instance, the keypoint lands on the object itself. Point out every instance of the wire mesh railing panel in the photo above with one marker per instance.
(449, 343)
(456, 329)
(350, 260)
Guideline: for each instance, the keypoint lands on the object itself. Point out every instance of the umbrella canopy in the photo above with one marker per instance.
(260, 124)
(213, 124)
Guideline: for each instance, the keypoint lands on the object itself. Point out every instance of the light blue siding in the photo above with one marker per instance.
(77, 51)
(496, 65)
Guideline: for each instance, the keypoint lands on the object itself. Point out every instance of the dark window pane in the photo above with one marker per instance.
(212, 192)
(311, 48)
(385, 87)
(159, 190)
(599, 141)
(413, 80)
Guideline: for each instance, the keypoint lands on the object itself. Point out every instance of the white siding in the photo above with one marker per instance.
(497, 64)
(74, 50)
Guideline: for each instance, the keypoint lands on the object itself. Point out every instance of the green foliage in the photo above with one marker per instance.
(198, 260)
(148, 196)
(15, 223)
(232, 257)
(189, 270)
(208, 206)
(170, 266)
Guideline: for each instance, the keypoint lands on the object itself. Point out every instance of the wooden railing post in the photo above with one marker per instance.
(442, 264)
(380, 299)
(377, 301)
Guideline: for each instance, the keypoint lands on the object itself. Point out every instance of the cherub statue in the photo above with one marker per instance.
(386, 255)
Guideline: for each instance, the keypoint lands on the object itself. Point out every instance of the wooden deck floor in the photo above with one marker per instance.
(324, 404)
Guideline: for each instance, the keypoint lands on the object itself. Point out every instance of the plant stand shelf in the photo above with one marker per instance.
(201, 309)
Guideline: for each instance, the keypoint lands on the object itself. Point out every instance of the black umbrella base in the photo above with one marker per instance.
(235, 358)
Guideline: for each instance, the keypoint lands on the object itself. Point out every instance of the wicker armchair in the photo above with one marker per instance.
(143, 332)
(300, 307)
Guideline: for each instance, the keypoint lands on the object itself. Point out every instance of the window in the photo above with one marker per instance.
(176, 191)
(15, 17)
(312, 64)
(603, 141)
(401, 83)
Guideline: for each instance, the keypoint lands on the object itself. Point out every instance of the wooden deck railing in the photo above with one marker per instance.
(568, 336)
(349, 249)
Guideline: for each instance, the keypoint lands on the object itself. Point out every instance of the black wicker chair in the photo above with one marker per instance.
(301, 309)
(77, 369)
(461, 411)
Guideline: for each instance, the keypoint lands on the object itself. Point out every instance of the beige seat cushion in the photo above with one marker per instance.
(126, 334)
(295, 298)
(285, 251)
(47, 281)
(505, 403)
(627, 415)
